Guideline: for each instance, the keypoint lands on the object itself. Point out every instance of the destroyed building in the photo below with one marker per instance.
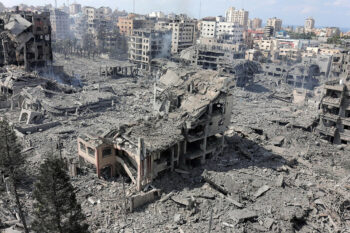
(305, 76)
(341, 64)
(147, 44)
(335, 112)
(225, 58)
(25, 39)
(192, 112)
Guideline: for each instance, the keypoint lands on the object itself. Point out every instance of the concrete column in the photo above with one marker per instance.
(172, 158)
(140, 160)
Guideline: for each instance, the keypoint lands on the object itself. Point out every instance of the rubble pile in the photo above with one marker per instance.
(273, 174)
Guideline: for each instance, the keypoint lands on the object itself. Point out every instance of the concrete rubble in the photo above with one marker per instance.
(183, 149)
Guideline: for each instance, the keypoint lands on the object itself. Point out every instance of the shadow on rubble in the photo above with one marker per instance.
(257, 88)
(239, 153)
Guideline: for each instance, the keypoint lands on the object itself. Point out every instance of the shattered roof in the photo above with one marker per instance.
(17, 24)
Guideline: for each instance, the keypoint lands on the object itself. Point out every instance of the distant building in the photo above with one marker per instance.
(309, 24)
(268, 31)
(300, 30)
(183, 33)
(157, 14)
(74, 9)
(237, 16)
(256, 23)
(275, 23)
(60, 24)
(332, 31)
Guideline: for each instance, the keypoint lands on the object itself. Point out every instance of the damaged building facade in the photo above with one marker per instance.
(147, 44)
(335, 112)
(25, 39)
(192, 112)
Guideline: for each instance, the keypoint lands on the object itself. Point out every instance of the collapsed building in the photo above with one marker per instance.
(25, 39)
(226, 58)
(192, 112)
(304, 76)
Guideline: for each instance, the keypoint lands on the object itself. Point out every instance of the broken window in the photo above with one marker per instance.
(82, 147)
(91, 152)
(106, 152)
(218, 108)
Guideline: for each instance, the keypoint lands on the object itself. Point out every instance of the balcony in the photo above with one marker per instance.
(327, 130)
(330, 117)
(335, 87)
(331, 101)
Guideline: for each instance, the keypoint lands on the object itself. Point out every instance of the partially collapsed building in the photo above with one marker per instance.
(25, 39)
(335, 116)
(192, 111)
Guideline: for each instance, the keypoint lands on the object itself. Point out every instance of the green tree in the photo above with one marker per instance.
(12, 162)
(56, 209)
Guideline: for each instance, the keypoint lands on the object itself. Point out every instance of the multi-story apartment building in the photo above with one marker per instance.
(74, 9)
(275, 23)
(256, 23)
(60, 24)
(15, 44)
(132, 22)
(147, 44)
(183, 33)
(221, 30)
(309, 24)
(332, 31)
(237, 16)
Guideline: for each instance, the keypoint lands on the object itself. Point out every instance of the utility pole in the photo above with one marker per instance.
(133, 7)
(55, 3)
(200, 9)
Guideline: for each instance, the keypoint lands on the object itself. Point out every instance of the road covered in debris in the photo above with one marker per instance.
(275, 175)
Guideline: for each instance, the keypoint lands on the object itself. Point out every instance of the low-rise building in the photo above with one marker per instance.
(199, 110)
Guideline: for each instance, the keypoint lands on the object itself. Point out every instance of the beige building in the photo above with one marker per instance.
(183, 33)
(309, 24)
(256, 23)
(145, 150)
(275, 23)
(147, 44)
(237, 16)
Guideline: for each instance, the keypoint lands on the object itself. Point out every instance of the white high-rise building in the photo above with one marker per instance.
(212, 28)
(237, 16)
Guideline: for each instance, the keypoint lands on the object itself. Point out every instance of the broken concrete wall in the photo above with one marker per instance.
(141, 199)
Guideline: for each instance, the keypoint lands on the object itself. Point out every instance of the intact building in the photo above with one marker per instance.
(309, 24)
(74, 9)
(275, 23)
(60, 24)
(231, 32)
(256, 23)
(237, 16)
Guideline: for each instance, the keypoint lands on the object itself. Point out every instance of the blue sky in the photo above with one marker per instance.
(292, 12)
